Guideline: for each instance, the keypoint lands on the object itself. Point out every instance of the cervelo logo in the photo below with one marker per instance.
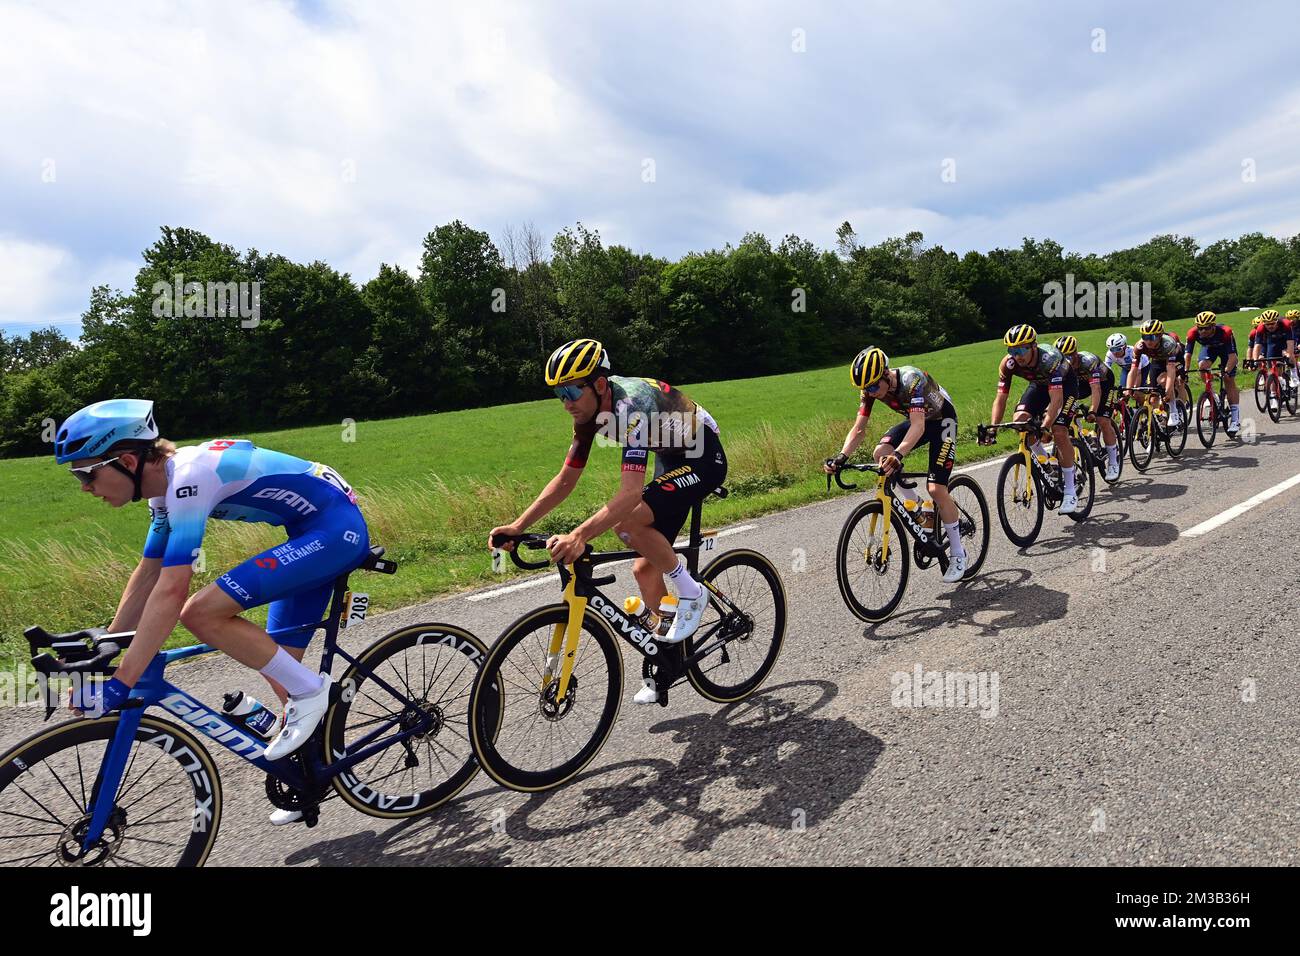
(199, 717)
(629, 630)
(77, 909)
(906, 515)
(294, 500)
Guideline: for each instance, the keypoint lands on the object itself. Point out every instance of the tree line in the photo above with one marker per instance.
(474, 325)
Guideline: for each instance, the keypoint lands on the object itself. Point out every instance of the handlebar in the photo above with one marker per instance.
(534, 542)
(83, 653)
(1259, 363)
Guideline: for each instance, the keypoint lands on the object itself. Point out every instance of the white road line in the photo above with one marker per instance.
(984, 464)
(553, 578)
(1240, 509)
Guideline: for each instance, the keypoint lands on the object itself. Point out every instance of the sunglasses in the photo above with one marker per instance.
(569, 393)
(86, 473)
(878, 384)
(1149, 338)
(1019, 350)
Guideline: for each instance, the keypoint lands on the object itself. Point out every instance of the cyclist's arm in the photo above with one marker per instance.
(1096, 396)
(858, 432)
(162, 609)
(137, 591)
(1004, 389)
(556, 490)
(616, 509)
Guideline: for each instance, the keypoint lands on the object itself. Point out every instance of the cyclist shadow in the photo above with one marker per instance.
(1140, 489)
(1107, 529)
(1003, 599)
(456, 834)
(800, 769)
(1211, 462)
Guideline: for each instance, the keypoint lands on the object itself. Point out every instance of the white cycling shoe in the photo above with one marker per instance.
(301, 717)
(1069, 504)
(956, 569)
(647, 694)
(689, 613)
(281, 817)
(1112, 471)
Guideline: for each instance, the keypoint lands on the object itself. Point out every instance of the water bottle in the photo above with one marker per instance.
(641, 615)
(667, 611)
(248, 711)
(927, 515)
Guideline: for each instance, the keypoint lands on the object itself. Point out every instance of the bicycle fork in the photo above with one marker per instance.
(103, 795)
(565, 639)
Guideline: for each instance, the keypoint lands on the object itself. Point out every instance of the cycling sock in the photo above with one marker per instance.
(687, 586)
(955, 547)
(1068, 475)
(296, 679)
(1112, 452)
(1236, 413)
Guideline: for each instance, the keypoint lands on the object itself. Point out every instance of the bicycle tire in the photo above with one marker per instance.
(1207, 419)
(491, 700)
(19, 766)
(1026, 539)
(982, 531)
(1142, 438)
(1176, 438)
(448, 681)
(1274, 399)
(1085, 482)
(900, 546)
(704, 673)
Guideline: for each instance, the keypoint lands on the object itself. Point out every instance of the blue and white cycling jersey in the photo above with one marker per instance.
(1126, 362)
(237, 481)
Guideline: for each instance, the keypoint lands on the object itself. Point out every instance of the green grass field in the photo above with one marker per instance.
(433, 485)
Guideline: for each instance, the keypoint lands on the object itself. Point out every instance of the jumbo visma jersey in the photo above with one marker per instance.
(236, 481)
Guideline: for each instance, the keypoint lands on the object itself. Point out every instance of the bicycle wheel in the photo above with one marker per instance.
(1020, 503)
(1274, 400)
(1142, 439)
(972, 521)
(747, 628)
(1176, 438)
(872, 583)
(542, 742)
(1207, 419)
(1085, 483)
(1292, 402)
(1261, 390)
(166, 813)
(432, 667)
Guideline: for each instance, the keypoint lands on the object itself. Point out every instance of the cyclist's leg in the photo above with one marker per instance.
(303, 567)
(1061, 429)
(1032, 405)
(887, 445)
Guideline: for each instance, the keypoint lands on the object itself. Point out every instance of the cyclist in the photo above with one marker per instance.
(116, 453)
(931, 419)
(645, 416)
(1274, 337)
(1050, 395)
(1165, 369)
(1217, 342)
(1095, 382)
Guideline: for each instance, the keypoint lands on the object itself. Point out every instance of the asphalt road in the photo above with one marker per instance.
(1147, 689)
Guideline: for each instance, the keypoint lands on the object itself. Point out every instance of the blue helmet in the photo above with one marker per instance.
(91, 432)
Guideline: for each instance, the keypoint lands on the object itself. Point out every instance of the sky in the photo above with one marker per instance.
(346, 131)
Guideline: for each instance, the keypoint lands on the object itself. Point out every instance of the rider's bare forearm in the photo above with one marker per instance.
(556, 490)
(615, 510)
(136, 593)
(161, 612)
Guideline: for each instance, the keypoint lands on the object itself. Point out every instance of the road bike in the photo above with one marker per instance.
(1028, 486)
(136, 787)
(871, 557)
(1149, 427)
(1089, 433)
(1273, 388)
(1212, 409)
(550, 688)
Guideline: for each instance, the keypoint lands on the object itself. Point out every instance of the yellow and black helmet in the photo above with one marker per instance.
(1020, 335)
(1066, 345)
(1152, 327)
(576, 361)
(869, 367)
(1293, 313)
(1268, 315)
(1205, 319)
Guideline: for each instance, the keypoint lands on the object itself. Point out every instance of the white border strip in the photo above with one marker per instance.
(1237, 510)
(553, 578)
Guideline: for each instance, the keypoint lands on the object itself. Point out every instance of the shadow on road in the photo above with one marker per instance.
(791, 768)
(1005, 600)
(1107, 527)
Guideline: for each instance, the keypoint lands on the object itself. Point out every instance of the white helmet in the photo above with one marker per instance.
(1117, 342)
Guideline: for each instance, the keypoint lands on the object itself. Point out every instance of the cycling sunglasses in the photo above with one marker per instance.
(1150, 338)
(86, 473)
(569, 393)
(1016, 351)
